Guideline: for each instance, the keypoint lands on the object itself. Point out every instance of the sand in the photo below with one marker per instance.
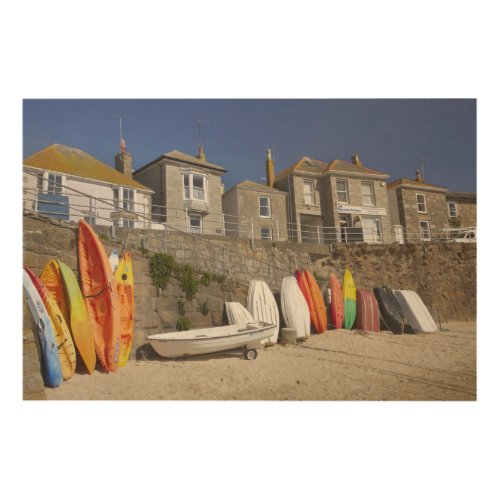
(337, 365)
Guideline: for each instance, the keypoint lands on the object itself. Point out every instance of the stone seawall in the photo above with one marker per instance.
(444, 275)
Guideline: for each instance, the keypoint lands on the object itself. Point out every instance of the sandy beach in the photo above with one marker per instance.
(337, 365)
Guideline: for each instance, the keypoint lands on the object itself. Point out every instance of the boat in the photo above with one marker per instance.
(237, 314)
(391, 312)
(317, 302)
(304, 288)
(367, 312)
(349, 293)
(415, 311)
(336, 302)
(51, 366)
(261, 304)
(294, 307)
(100, 295)
(66, 348)
(52, 279)
(212, 340)
(80, 326)
(124, 278)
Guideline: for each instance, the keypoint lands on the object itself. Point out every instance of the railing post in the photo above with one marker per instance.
(223, 225)
(277, 230)
(251, 226)
(165, 238)
(319, 237)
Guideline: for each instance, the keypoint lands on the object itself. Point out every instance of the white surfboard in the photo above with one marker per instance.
(415, 311)
(262, 306)
(237, 314)
(114, 260)
(294, 307)
(52, 373)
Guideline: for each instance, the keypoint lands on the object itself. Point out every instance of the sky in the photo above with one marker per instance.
(390, 135)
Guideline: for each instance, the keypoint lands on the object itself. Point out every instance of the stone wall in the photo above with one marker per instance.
(443, 274)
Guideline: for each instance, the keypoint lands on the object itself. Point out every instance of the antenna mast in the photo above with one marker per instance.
(422, 162)
(199, 129)
(120, 121)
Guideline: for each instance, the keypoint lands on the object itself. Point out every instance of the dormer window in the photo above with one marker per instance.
(195, 187)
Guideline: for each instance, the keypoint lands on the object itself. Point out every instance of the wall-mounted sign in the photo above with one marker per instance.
(351, 209)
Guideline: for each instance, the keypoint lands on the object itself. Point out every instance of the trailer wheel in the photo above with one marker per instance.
(250, 354)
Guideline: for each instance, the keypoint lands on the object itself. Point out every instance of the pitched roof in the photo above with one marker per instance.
(455, 195)
(258, 186)
(73, 161)
(180, 156)
(413, 183)
(345, 166)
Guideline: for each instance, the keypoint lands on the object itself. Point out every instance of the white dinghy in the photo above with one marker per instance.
(238, 314)
(415, 311)
(210, 340)
(262, 306)
(294, 307)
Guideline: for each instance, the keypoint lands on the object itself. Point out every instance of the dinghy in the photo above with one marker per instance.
(261, 304)
(367, 313)
(414, 309)
(294, 308)
(391, 311)
(211, 340)
(237, 314)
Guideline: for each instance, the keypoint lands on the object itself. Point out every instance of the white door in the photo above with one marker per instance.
(371, 229)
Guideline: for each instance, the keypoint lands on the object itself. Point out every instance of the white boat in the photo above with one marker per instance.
(237, 314)
(262, 306)
(210, 340)
(294, 307)
(415, 311)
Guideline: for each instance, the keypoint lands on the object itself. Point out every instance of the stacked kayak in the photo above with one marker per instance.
(349, 292)
(314, 299)
(336, 302)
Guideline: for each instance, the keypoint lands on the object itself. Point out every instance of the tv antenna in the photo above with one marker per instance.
(199, 129)
(120, 119)
(422, 163)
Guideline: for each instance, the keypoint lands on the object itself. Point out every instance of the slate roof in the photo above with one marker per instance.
(258, 186)
(414, 183)
(183, 157)
(73, 161)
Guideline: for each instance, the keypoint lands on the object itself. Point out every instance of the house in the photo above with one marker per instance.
(462, 209)
(187, 191)
(68, 184)
(420, 208)
(336, 202)
(254, 210)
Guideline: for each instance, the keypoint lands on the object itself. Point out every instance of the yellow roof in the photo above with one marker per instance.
(73, 161)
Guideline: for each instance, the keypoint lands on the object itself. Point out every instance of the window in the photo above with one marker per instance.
(266, 233)
(116, 197)
(265, 206)
(452, 209)
(128, 199)
(425, 230)
(309, 192)
(342, 190)
(421, 204)
(195, 223)
(368, 193)
(55, 184)
(194, 187)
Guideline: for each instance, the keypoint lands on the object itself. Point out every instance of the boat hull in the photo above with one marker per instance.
(294, 308)
(367, 312)
(261, 304)
(391, 311)
(415, 311)
(237, 314)
(317, 303)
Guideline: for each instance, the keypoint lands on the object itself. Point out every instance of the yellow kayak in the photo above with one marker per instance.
(349, 291)
(124, 278)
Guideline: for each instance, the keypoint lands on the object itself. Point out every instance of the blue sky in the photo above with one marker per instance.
(389, 134)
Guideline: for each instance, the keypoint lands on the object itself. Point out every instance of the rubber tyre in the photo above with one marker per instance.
(250, 354)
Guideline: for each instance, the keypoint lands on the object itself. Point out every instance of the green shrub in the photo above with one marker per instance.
(183, 324)
(161, 267)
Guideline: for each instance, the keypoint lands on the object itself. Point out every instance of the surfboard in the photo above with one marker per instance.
(114, 260)
(81, 329)
(294, 307)
(261, 304)
(317, 303)
(52, 279)
(349, 292)
(337, 302)
(367, 312)
(64, 341)
(415, 311)
(100, 296)
(237, 314)
(51, 366)
(124, 278)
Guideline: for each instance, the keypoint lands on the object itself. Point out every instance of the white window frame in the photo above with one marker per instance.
(268, 207)
(129, 201)
(195, 229)
(56, 183)
(346, 190)
(450, 203)
(424, 211)
(311, 194)
(422, 230)
(266, 229)
(371, 194)
(191, 188)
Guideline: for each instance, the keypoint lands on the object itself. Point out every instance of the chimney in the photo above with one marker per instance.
(123, 160)
(355, 160)
(201, 154)
(270, 169)
(419, 177)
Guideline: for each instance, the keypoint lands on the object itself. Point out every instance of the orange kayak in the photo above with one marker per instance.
(52, 279)
(100, 295)
(318, 303)
(125, 286)
(337, 304)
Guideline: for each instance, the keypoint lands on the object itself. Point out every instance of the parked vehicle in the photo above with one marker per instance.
(465, 237)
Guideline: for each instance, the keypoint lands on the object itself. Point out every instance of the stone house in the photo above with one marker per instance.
(254, 210)
(462, 209)
(187, 191)
(68, 184)
(420, 208)
(336, 202)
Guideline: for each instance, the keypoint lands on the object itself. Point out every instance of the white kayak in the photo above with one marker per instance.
(415, 311)
(114, 260)
(237, 314)
(294, 307)
(261, 304)
(210, 340)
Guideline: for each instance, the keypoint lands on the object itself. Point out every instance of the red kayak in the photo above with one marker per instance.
(337, 303)
(367, 313)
